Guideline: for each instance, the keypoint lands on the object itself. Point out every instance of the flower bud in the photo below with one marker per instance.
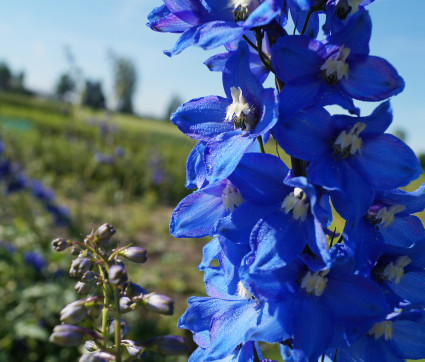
(135, 254)
(67, 335)
(159, 303)
(82, 288)
(75, 250)
(123, 327)
(79, 266)
(134, 290)
(104, 233)
(90, 346)
(60, 244)
(74, 312)
(117, 275)
(170, 345)
(98, 356)
(125, 303)
(89, 276)
(133, 349)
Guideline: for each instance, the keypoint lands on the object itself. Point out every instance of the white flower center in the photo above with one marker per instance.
(335, 67)
(387, 215)
(349, 143)
(380, 329)
(315, 282)
(297, 202)
(231, 197)
(243, 292)
(394, 271)
(243, 8)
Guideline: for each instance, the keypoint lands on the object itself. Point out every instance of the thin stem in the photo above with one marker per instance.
(306, 21)
(265, 61)
(260, 142)
(250, 42)
(117, 329)
(105, 307)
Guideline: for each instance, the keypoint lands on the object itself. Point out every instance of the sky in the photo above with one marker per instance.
(34, 35)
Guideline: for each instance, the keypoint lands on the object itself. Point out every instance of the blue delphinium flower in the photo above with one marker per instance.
(398, 337)
(229, 126)
(211, 23)
(350, 156)
(333, 71)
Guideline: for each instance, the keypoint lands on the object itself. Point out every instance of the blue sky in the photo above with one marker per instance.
(35, 33)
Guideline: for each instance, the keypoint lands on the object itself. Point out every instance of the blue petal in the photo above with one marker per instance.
(239, 75)
(403, 232)
(409, 338)
(356, 34)
(365, 242)
(411, 286)
(223, 155)
(376, 123)
(371, 79)
(387, 162)
(237, 227)
(228, 327)
(203, 118)
(209, 253)
(307, 135)
(192, 12)
(259, 178)
(186, 39)
(215, 33)
(263, 14)
(414, 201)
(161, 19)
(195, 168)
(268, 113)
(296, 56)
(368, 306)
(313, 328)
(197, 213)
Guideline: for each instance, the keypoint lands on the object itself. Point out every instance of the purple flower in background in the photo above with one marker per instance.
(35, 260)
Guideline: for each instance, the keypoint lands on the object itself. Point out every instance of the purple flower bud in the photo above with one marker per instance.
(89, 276)
(82, 288)
(133, 349)
(123, 327)
(135, 254)
(75, 250)
(90, 346)
(117, 275)
(170, 345)
(74, 312)
(134, 290)
(104, 233)
(60, 244)
(97, 356)
(125, 303)
(67, 335)
(159, 303)
(79, 266)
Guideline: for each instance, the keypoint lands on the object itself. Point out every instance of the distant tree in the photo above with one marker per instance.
(64, 86)
(93, 95)
(5, 77)
(175, 102)
(421, 158)
(125, 80)
(400, 133)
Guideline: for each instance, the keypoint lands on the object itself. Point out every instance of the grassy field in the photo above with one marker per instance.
(105, 167)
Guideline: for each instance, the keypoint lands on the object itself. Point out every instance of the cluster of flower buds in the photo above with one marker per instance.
(107, 293)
